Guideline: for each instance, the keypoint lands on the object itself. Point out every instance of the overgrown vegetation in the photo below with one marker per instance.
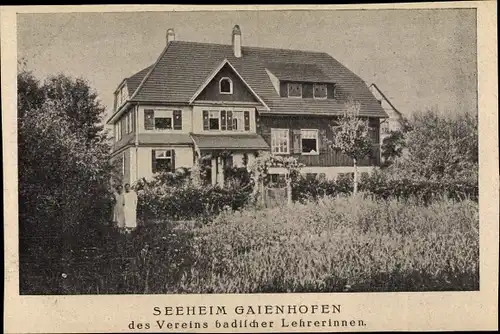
(63, 165)
(348, 244)
(332, 244)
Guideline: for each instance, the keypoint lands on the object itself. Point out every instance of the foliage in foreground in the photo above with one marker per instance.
(63, 166)
(360, 244)
(345, 244)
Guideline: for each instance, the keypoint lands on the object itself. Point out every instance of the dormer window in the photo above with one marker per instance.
(225, 86)
(295, 90)
(320, 91)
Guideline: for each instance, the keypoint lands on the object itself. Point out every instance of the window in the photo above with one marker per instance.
(123, 164)
(214, 120)
(225, 86)
(161, 119)
(319, 91)
(163, 123)
(129, 121)
(118, 130)
(163, 160)
(279, 141)
(226, 120)
(238, 121)
(294, 90)
(121, 96)
(309, 141)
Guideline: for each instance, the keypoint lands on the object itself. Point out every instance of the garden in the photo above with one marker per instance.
(412, 225)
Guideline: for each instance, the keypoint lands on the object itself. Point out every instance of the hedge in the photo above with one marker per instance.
(189, 202)
(402, 189)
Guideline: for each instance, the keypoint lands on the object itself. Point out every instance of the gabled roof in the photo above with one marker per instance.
(214, 73)
(375, 87)
(183, 67)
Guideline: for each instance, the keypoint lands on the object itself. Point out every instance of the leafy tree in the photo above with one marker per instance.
(79, 102)
(63, 168)
(351, 136)
(438, 147)
(392, 147)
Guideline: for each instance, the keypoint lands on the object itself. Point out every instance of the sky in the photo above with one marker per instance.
(420, 59)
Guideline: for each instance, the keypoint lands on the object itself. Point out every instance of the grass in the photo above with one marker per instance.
(346, 244)
(330, 245)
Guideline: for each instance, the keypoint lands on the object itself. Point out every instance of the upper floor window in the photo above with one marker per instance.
(319, 91)
(280, 141)
(294, 90)
(225, 86)
(118, 130)
(226, 120)
(121, 96)
(162, 119)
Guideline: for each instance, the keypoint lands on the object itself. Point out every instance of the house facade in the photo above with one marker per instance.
(221, 104)
(394, 122)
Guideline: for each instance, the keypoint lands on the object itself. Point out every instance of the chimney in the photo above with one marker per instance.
(237, 41)
(170, 35)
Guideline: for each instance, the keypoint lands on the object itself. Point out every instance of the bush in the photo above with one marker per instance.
(341, 244)
(425, 191)
(313, 188)
(188, 202)
(380, 186)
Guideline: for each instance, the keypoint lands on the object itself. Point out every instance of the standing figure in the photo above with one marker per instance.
(119, 209)
(130, 208)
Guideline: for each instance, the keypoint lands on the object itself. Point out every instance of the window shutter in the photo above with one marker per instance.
(322, 143)
(330, 91)
(229, 120)
(223, 120)
(283, 89)
(247, 121)
(173, 160)
(205, 119)
(307, 90)
(297, 144)
(153, 161)
(177, 119)
(149, 119)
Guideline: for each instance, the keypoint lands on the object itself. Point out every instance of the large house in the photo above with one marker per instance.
(222, 104)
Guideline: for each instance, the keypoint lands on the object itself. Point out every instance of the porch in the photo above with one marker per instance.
(216, 153)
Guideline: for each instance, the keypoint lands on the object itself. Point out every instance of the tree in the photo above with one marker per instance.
(351, 136)
(392, 147)
(439, 146)
(63, 168)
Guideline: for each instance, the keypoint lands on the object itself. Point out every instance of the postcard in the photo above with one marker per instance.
(326, 168)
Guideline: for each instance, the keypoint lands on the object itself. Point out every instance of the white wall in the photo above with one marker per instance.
(183, 158)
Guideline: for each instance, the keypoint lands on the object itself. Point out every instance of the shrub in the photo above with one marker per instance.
(188, 202)
(326, 246)
(382, 187)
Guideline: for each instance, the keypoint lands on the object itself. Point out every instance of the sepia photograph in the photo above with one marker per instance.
(211, 152)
